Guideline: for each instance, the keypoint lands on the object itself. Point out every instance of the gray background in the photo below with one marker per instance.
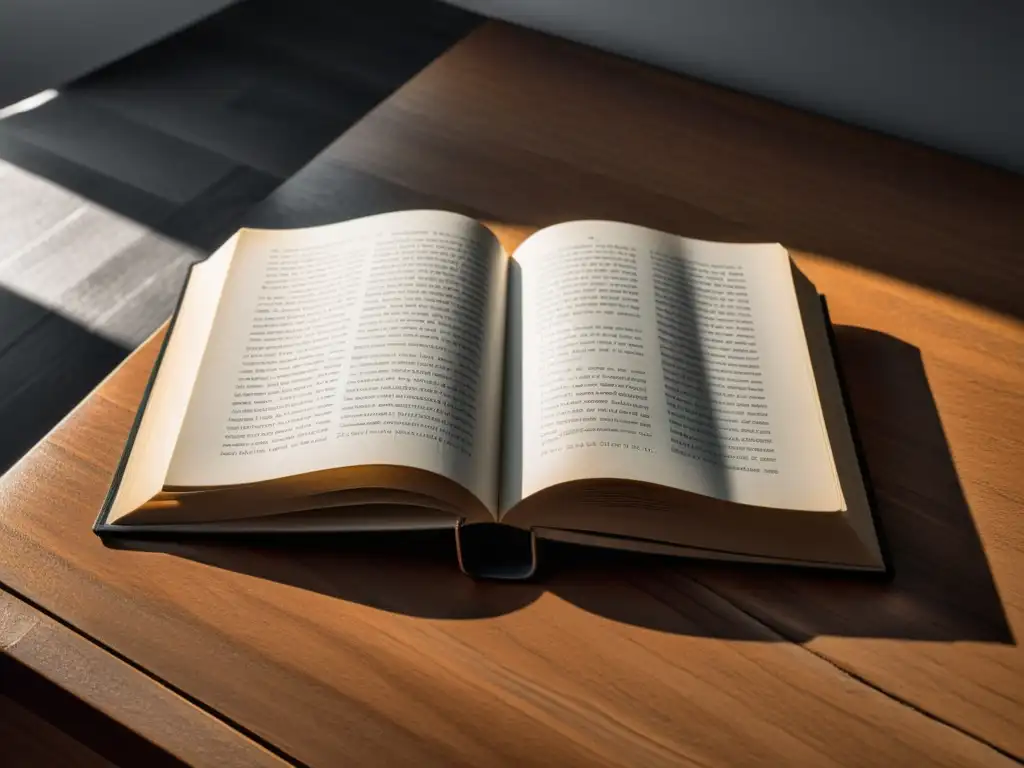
(948, 73)
(44, 43)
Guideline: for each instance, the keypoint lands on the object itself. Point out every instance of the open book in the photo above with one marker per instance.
(608, 385)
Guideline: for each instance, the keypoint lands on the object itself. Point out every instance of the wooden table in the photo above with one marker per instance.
(348, 656)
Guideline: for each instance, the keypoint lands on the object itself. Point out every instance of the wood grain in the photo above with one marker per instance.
(65, 701)
(376, 654)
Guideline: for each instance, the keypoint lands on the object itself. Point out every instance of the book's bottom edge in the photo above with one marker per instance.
(467, 551)
(212, 530)
(648, 546)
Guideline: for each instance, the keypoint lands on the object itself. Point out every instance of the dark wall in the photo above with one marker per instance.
(948, 73)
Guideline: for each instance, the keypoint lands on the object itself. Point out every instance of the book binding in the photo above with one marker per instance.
(495, 551)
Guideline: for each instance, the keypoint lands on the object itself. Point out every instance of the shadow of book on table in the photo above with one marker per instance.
(943, 589)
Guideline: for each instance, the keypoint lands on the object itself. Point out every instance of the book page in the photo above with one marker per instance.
(375, 341)
(653, 358)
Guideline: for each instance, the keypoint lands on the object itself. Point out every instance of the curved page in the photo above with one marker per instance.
(659, 359)
(374, 341)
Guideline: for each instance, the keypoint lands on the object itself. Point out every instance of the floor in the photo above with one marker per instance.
(110, 190)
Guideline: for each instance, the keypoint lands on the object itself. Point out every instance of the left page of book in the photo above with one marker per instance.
(377, 341)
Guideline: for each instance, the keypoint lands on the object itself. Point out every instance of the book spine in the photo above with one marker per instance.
(494, 551)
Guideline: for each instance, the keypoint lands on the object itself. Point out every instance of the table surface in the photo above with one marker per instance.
(386, 657)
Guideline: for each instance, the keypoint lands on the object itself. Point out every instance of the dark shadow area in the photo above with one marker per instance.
(694, 417)
(187, 134)
(409, 573)
(73, 719)
(47, 365)
(943, 589)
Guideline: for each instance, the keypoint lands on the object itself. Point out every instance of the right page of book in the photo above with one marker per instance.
(649, 357)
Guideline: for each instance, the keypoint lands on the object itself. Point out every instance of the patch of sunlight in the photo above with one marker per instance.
(27, 105)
